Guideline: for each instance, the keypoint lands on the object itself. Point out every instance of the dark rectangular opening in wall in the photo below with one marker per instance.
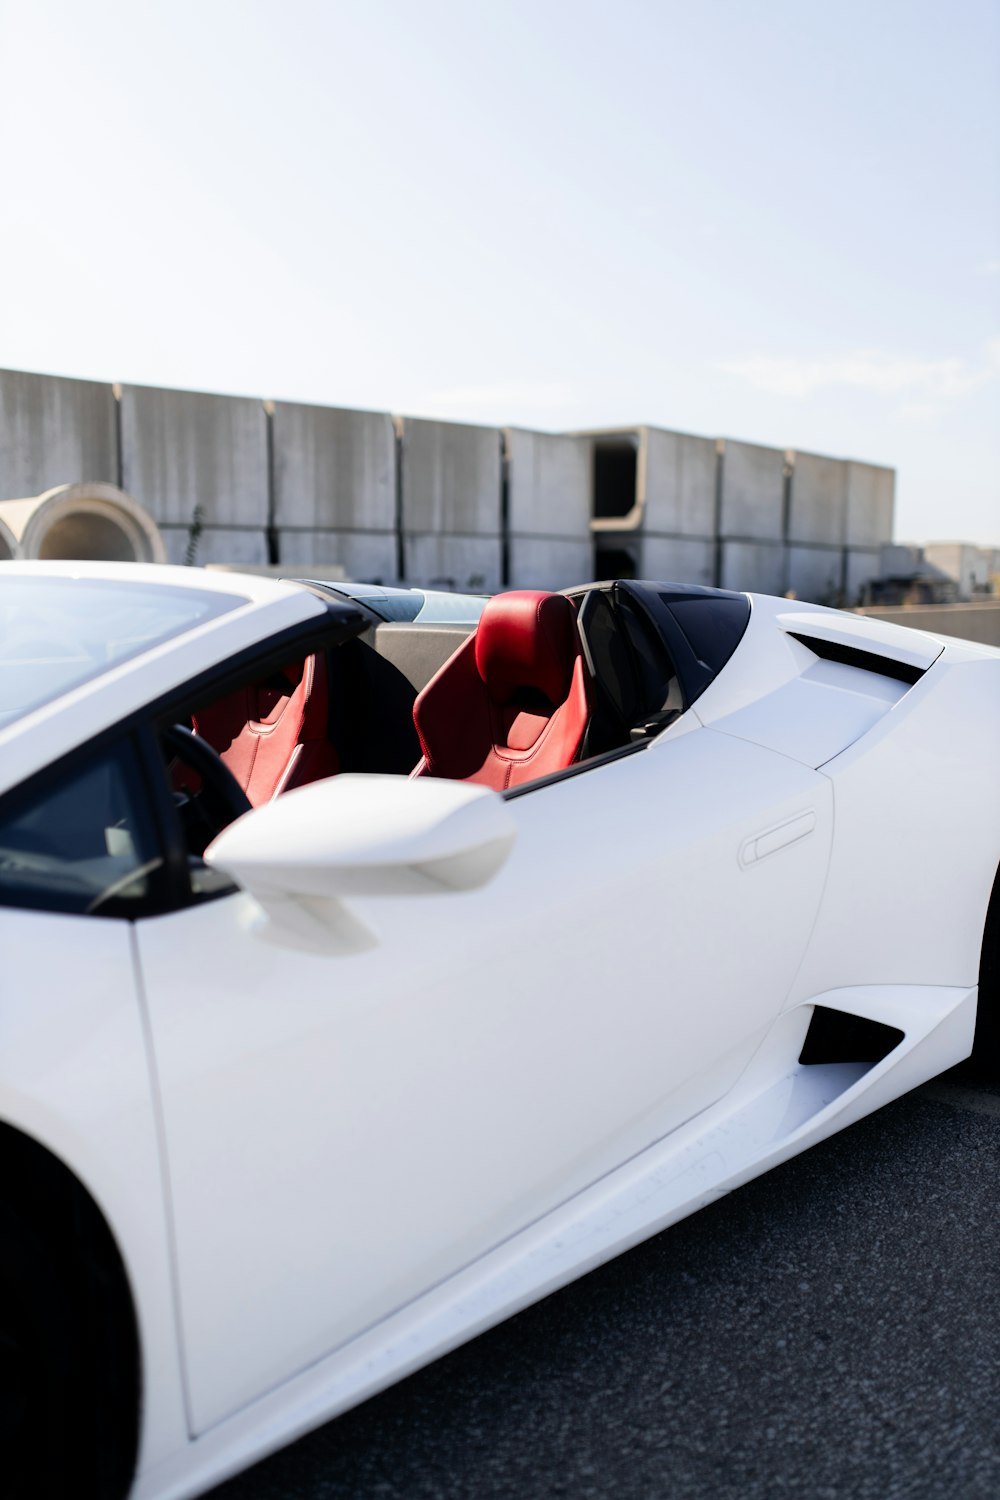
(612, 561)
(614, 479)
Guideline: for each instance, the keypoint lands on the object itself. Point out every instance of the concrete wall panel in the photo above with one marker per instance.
(450, 478)
(863, 564)
(365, 556)
(549, 484)
(818, 504)
(463, 563)
(754, 567)
(969, 622)
(549, 563)
(181, 449)
(236, 545)
(53, 432)
(677, 560)
(680, 483)
(753, 482)
(334, 468)
(814, 573)
(871, 494)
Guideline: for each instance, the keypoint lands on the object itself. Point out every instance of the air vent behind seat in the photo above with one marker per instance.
(854, 656)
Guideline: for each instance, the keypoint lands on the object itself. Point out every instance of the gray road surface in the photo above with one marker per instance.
(830, 1332)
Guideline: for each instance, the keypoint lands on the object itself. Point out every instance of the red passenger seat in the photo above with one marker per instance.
(511, 704)
(273, 735)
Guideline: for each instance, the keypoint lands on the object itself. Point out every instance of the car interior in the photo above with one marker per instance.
(546, 682)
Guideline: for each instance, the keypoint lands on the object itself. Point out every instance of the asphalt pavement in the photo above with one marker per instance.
(829, 1332)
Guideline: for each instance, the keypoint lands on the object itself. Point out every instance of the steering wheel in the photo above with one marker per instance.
(220, 800)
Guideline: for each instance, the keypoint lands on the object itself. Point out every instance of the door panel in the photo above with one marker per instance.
(345, 1131)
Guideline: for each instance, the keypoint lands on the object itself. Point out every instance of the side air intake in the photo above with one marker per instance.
(854, 656)
(835, 1037)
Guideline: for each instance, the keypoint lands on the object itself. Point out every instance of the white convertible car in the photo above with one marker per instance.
(369, 973)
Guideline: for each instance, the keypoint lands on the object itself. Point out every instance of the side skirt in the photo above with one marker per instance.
(778, 1108)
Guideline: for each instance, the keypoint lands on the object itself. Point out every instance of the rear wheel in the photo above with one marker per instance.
(986, 1051)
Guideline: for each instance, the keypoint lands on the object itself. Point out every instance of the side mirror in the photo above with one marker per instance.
(362, 836)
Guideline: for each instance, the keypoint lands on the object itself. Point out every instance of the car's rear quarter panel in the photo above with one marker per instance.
(916, 837)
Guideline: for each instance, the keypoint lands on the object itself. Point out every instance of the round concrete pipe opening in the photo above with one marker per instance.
(87, 536)
(90, 522)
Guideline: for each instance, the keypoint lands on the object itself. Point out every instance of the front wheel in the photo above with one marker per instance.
(51, 1401)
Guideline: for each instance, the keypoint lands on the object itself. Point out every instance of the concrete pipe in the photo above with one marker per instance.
(8, 543)
(89, 521)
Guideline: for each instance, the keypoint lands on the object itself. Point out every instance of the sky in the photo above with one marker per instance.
(776, 221)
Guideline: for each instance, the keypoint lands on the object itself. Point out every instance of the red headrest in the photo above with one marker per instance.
(527, 640)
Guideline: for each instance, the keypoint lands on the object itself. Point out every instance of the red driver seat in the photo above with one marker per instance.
(511, 704)
(273, 735)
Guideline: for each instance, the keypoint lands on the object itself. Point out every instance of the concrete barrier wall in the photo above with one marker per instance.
(471, 564)
(969, 622)
(861, 565)
(870, 500)
(450, 499)
(815, 573)
(334, 496)
(753, 567)
(677, 559)
(539, 562)
(241, 480)
(752, 493)
(182, 451)
(677, 478)
(216, 544)
(548, 483)
(817, 502)
(365, 556)
(54, 431)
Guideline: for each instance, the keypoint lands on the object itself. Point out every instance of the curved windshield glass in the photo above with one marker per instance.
(429, 606)
(58, 633)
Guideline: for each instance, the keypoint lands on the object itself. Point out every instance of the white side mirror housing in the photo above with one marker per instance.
(357, 835)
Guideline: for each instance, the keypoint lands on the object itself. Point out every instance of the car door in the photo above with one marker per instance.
(345, 1130)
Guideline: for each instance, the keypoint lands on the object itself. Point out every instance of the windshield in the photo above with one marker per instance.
(426, 606)
(57, 633)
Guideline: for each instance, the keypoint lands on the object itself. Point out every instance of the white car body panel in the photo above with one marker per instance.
(326, 1166)
(774, 1111)
(492, 1046)
(75, 1075)
(940, 874)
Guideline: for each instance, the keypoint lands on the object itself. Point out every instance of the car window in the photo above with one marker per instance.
(713, 625)
(653, 667)
(58, 633)
(82, 842)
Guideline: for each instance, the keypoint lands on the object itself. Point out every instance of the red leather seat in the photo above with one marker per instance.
(273, 735)
(511, 704)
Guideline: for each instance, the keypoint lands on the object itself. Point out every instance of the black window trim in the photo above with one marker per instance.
(122, 743)
(576, 769)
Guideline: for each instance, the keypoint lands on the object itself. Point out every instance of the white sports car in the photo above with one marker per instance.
(369, 973)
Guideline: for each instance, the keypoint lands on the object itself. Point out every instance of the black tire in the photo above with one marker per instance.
(986, 1050)
(53, 1395)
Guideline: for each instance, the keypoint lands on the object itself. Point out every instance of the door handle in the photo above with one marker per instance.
(754, 849)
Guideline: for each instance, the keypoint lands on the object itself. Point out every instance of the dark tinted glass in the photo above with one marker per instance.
(84, 843)
(653, 666)
(612, 663)
(712, 625)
